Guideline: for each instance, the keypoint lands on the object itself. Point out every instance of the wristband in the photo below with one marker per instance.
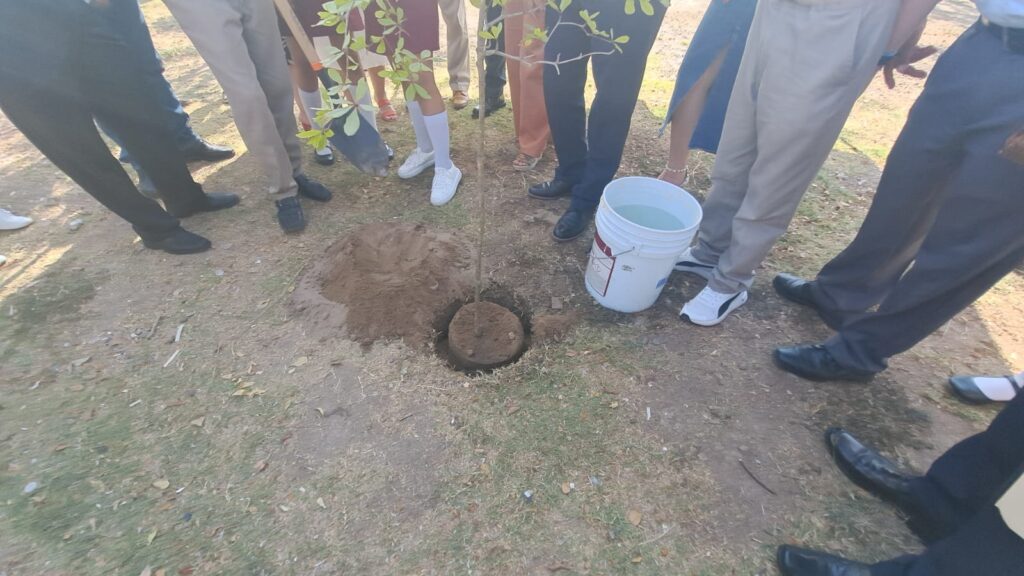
(889, 56)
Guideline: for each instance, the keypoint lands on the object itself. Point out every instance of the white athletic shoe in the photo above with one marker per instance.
(415, 164)
(710, 308)
(10, 221)
(446, 182)
(687, 263)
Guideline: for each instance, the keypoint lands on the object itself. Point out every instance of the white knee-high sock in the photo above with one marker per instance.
(419, 126)
(437, 128)
(311, 101)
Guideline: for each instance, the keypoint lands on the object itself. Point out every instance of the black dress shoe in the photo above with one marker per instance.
(180, 241)
(214, 201)
(869, 469)
(203, 151)
(312, 189)
(967, 389)
(800, 291)
(326, 159)
(816, 363)
(571, 225)
(490, 107)
(550, 190)
(795, 561)
(290, 215)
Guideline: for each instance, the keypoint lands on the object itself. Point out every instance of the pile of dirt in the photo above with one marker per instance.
(485, 335)
(386, 281)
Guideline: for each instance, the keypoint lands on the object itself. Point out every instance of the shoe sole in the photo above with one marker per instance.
(450, 198)
(532, 195)
(564, 240)
(198, 250)
(720, 319)
(189, 214)
(797, 371)
(324, 160)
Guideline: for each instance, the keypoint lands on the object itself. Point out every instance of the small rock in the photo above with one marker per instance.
(556, 303)
(75, 224)
(528, 496)
(218, 272)
(187, 517)
(595, 481)
(30, 487)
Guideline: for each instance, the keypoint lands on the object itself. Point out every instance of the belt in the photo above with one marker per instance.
(1012, 38)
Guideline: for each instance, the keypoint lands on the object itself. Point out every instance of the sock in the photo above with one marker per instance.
(310, 102)
(419, 126)
(437, 128)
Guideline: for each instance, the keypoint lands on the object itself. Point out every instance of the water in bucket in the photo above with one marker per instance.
(650, 217)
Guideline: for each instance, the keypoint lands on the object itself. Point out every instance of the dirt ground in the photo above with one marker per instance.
(258, 443)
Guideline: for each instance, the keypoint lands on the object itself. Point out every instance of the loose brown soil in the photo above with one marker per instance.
(386, 281)
(485, 335)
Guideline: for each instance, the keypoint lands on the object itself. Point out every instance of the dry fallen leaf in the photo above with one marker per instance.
(160, 572)
(147, 571)
(60, 447)
(320, 503)
(185, 571)
(283, 508)
(566, 488)
(637, 559)
(198, 422)
(634, 517)
(161, 484)
(152, 536)
(260, 466)
(300, 361)
(613, 405)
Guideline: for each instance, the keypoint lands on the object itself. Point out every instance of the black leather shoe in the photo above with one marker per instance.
(326, 159)
(967, 389)
(490, 107)
(214, 201)
(869, 469)
(203, 151)
(550, 190)
(312, 189)
(800, 291)
(571, 225)
(290, 215)
(180, 241)
(795, 561)
(816, 363)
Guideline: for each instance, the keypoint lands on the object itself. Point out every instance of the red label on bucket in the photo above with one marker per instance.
(601, 266)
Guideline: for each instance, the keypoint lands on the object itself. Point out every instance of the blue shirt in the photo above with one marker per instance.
(1008, 13)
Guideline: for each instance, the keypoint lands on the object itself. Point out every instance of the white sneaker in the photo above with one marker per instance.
(10, 221)
(687, 263)
(710, 308)
(415, 164)
(446, 182)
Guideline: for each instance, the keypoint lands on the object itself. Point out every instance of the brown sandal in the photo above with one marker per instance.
(525, 162)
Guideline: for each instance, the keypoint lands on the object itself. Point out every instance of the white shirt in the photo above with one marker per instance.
(1008, 13)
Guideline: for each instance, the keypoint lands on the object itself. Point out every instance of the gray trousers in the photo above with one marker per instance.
(803, 69)
(241, 43)
(454, 14)
(947, 221)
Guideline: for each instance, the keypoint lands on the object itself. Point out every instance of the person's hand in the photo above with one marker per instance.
(904, 63)
(1013, 149)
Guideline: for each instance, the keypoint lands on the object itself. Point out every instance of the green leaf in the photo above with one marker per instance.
(352, 123)
(645, 6)
(630, 7)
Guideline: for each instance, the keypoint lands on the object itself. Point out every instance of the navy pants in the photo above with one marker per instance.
(589, 148)
(125, 19)
(945, 223)
(957, 499)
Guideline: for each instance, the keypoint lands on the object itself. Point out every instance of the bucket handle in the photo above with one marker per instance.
(614, 256)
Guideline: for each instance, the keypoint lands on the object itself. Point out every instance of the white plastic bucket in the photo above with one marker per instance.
(643, 225)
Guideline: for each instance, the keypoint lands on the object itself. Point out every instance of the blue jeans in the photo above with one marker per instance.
(125, 19)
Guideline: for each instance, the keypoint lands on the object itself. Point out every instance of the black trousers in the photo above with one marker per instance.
(589, 148)
(957, 500)
(494, 64)
(98, 80)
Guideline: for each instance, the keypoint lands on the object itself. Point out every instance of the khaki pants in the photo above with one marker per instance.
(454, 14)
(241, 43)
(526, 81)
(803, 69)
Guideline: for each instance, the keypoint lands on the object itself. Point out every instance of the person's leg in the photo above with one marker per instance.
(494, 64)
(564, 96)
(802, 102)
(912, 188)
(618, 77)
(532, 128)
(684, 122)
(71, 142)
(216, 29)
(306, 91)
(454, 14)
